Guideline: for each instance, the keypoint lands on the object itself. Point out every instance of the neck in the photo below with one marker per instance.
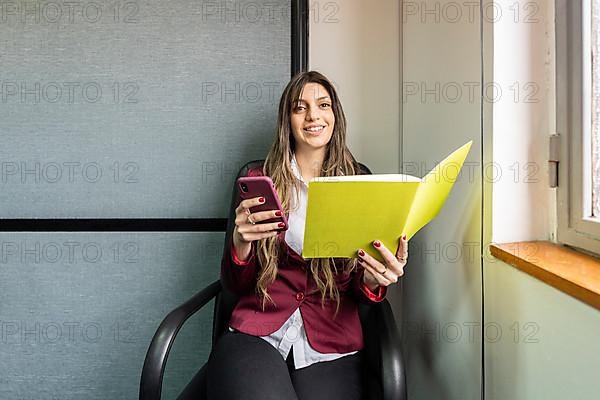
(310, 163)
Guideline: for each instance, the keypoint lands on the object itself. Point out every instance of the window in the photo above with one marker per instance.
(595, 110)
(578, 122)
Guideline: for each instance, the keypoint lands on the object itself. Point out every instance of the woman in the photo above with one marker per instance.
(291, 310)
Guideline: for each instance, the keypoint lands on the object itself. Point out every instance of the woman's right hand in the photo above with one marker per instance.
(245, 232)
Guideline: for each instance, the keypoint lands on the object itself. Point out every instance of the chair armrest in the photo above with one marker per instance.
(384, 366)
(393, 371)
(158, 352)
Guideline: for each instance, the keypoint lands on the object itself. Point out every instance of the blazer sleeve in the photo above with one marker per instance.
(362, 291)
(238, 276)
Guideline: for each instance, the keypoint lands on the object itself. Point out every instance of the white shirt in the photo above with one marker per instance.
(292, 335)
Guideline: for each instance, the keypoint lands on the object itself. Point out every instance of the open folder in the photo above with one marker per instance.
(345, 213)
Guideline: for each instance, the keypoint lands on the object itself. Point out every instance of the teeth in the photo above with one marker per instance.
(315, 129)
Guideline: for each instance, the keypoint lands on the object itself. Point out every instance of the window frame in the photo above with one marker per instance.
(573, 124)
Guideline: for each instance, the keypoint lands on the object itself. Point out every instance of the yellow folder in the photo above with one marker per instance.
(345, 213)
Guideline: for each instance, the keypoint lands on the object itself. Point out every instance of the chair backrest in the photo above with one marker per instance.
(225, 301)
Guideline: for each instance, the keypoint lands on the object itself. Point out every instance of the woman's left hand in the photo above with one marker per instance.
(388, 272)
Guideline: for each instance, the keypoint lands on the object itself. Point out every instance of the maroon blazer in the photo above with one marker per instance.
(294, 287)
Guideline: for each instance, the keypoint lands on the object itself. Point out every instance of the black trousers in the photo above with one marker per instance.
(245, 367)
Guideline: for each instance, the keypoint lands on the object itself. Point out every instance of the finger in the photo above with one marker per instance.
(390, 262)
(252, 236)
(389, 259)
(380, 270)
(368, 269)
(381, 279)
(249, 203)
(264, 235)
(402, 247)
(265, 215)
(244, 219)
(242, 214)
(363, 255)
(403, 260)
(259, 228)
(240, 208)
(390, 274)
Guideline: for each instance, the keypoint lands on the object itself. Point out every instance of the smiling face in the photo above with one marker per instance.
(312, 118)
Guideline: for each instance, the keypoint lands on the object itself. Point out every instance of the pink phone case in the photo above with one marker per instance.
(256, 186)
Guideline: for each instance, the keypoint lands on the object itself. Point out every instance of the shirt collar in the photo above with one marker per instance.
(296, 170)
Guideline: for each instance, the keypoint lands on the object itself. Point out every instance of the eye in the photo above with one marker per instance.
(299, 108)
(325, 105)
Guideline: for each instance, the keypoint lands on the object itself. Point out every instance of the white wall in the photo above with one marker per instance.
(524, 118)
(356, 44)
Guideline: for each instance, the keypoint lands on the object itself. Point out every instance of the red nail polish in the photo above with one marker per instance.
(281, 225)
(377, 243)
(278, 213)
(404, 237)
(361, 253)
(261, 200)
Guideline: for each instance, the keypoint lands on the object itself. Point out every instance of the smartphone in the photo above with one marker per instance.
(257, 186)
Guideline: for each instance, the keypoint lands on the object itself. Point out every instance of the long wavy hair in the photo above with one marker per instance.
(338, 161)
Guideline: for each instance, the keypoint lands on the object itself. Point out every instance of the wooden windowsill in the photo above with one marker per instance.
(572, 272)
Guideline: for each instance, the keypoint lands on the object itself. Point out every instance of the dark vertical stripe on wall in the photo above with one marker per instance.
(300, 34)
(299, 62)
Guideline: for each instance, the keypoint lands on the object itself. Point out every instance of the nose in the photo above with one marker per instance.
(312, 113)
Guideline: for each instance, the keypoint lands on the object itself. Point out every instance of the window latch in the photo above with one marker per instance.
(553, 160)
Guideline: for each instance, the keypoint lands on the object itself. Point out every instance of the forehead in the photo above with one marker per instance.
(313, 91)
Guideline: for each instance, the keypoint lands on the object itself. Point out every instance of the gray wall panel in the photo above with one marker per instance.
(176, 139)
(188, 94)
(79, 327)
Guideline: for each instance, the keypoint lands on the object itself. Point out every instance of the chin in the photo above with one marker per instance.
(318, 145)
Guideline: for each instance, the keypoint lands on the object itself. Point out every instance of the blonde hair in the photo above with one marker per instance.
(338, 161)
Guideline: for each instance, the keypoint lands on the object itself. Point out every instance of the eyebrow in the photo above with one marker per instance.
(320, 98)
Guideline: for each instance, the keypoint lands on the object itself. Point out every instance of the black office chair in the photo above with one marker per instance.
(383, 376)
